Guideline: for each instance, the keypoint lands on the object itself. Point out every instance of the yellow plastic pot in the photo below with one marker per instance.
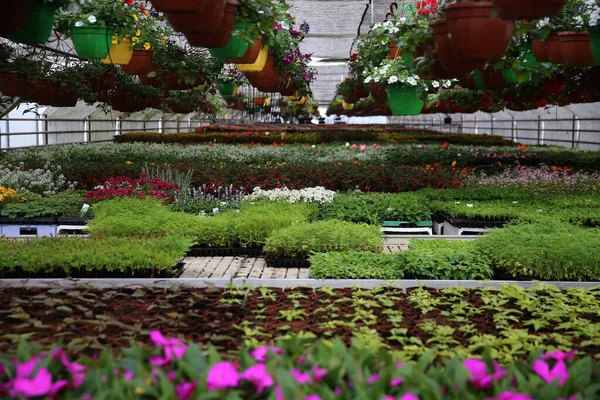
(296, 97)
(120, 53)
(347, 106)
(259, 64)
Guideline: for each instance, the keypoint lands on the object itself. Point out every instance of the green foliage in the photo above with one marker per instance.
(77, 255)
(303, 239)
(63, 204)
(137, 217)
(374, 208)
(545, 250)
(427, 259)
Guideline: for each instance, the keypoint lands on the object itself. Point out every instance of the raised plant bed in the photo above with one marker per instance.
(286, 262)
(203, 251)
(40, 226)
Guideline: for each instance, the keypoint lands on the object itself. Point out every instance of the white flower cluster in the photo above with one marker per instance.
(316, 194)
(592, 12)
(45, 181)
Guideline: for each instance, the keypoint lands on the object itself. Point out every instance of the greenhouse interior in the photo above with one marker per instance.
(300, 199)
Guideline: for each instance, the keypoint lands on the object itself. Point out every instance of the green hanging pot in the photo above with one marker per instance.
(408, 59)
(510, 76)
(92, 41)
(478, 78)
(595, 46)
(236, 47)
(404, 100)
(227, 89)
(39, 21)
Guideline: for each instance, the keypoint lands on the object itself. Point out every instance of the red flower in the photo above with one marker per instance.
(426, 6)
(128, 2)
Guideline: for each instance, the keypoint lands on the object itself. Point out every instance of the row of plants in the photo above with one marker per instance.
(508, 322)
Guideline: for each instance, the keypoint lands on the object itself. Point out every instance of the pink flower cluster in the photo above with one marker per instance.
(123, 186)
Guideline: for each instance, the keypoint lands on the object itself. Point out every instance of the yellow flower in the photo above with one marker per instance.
(135, 39)
(115, 39)
(135, 17)
(454, 163)
(164, 39)
(139, 390)
(128, 162)
(138, 32)
(147, 45)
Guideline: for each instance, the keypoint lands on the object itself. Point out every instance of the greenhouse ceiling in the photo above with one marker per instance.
(334, 26)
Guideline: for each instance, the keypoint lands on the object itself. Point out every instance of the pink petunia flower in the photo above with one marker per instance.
(319, 373)
(279, 393)
(260, 353)
(396, 381)
(301, 377)
(409, 396)
(40, 385)
(373, 378)
(312, 397)
(77, 371)
(259, 376)
(480, 377)
(173, 349)
(222, 375)
(559, 371)
(185, 390)
(560, 355)
(508, 395)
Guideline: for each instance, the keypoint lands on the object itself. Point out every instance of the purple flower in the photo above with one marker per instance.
(279, 393)
(173, 349)
(260, 353)
(301, 377)
(559, 355)
(305, 27)
(222, 376)
(559, 371)
(259, 376)
(185, 390)
(480, 377)
(319, 373)
(288, 59)
(373, 378)
(277, 27)
(396, 381)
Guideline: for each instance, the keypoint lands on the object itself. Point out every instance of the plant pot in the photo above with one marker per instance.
(228, 89)
(266, 73)
(378, 92)
(534, 9)
(360, 92)
(553, 48)
(120, 53)
(474, 35)
(45, 92)
(289, 89)
(394, 50)
(250, 56)
(493, 80)
(539, 50)
(404, 100)
(179, 6)
(205, 21)
(302, 102)
(222, 34)
(236, 47)
(453, 65)
(259, 64)
(92, 41)
(273, 85)
(141, 63)
(169, 81)
(38, 23)
(347, 106)
(595, 46)
(12, 16)
(13, 84)
(259, 101)
(126, 102)
(575, 49)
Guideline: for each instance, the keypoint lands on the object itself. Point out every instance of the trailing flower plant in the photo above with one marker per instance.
(230, 74)
(393, 71)
(118, 14)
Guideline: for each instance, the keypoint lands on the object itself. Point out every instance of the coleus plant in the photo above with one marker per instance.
(173, 369)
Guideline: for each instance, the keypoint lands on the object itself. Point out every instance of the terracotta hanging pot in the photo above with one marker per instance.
(520, 9)
(12, 16)
(169, 81)
(179, 6)
(539, 50)
(493, 79)
(222, 34)
(360, 91)
(474, 35)
(250, 56)
(206, 20)
(575, 49)
(553, 48)
(394, 50)
(273, 85)
(378, 92)
(268, 73)
(141, 63)
(259, 101)
(453, 65)
(13, 84)
(289, 88)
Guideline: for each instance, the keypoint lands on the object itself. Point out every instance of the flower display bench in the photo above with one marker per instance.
(407, 227)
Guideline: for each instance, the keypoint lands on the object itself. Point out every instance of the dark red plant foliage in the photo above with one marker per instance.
(124, 186)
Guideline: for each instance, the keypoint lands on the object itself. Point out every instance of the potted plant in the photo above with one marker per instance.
(229, 80)
(589, 20)
(218, 31)
(94, 24)
(31, 21)
(150, 34)
(520, 9)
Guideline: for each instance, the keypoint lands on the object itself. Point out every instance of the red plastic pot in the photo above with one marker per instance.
(539, 50)
(250, 56)
(474, 35)
(575, 49)
(268, 73)
(378, 92)
(179, 6)
(520, 9)
(206, 20)
(222, 34)
(553, 48)
(13, 84)
(453, 66)
(141, 63)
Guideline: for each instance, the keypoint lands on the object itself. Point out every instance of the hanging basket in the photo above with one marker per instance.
(533, 9)
(474, 35)
(259, 64)
(378, 92)
(179, 6)
(575, 49)
(252, 53)
(206, 21)
(228, 89)
(120, 53)
(347, 106)
(404, 100)
(259, 101)
(12, 16)
(38, 23)
(222, 34)
(168, 81)
(267, 72)
(539, 50)
(453, 66)
(302, 102)
(553, 48)
(289, 89)
(595, 46)
(92, 41)
(13, 84)
(140, 63)
(236, 47)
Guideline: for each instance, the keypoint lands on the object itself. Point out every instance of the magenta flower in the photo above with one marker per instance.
(319, 373)
(396, 381)
(279, 393)
(222, 376)
(128, 375)
(508, 395)
(559, 371)
(301, 377)
(312, 397)
(173, 349)
(373, 378)
(185, 390)
(560, 355)
(388, 398)
(337, 391)
(172, 375)
(260, 353)
(259, 376)
(301, 360)
(39, 385)
(480, 377)
(77, 371)
(277, 27)
(409, 396)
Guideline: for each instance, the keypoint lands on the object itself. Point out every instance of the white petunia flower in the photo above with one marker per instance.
(78, 24)
(92, 19)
